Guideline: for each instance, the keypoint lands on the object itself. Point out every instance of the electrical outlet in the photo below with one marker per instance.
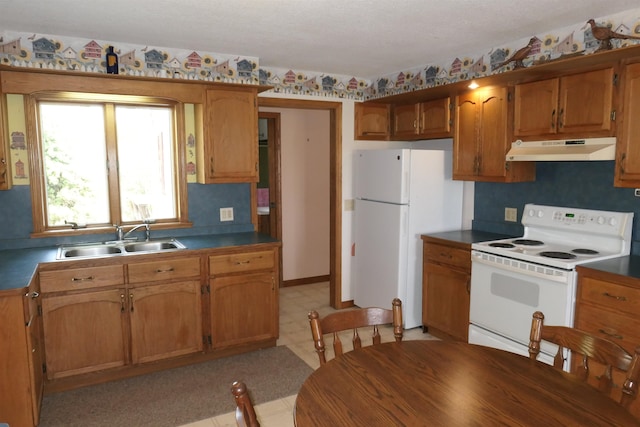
(511, 214)
(636, 192)
(349, 205)
(226, 214)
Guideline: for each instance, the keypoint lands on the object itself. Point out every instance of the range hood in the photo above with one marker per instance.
(563, 150)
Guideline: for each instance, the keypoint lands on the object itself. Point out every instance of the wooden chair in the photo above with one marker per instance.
(354, 319)
(245, 414)
(589, 347)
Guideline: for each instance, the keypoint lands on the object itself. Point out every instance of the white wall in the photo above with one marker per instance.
(305, 143)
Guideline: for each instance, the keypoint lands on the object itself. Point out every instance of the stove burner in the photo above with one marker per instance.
(558, 255)
(581, 251)
(502, 245)
(528, 242)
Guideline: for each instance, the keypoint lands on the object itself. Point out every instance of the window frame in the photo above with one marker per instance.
(36, 161)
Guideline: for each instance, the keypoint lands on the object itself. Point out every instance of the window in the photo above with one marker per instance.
(105, 161)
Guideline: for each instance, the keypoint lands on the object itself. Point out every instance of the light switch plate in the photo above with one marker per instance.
(349, 205)
(511, 214)
(226, 214)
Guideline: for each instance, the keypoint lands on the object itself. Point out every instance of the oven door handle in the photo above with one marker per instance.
(522, 267)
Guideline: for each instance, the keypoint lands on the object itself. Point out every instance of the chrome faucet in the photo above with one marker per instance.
(147, 231)
(119, 232)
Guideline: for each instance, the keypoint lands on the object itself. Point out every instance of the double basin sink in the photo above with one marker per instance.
(118, 247)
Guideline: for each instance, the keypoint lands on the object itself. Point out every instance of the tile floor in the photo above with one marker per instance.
(295, 303)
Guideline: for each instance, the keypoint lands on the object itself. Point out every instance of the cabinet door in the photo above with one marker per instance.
(20, 390)
(166, 321)
(372, 121)
(84, 332)
(231, 137)
(243, 309)
(535, 108)
(585, 103)
(493, 132)
(446, 300)
(405, 121)
(627, 172)
(465, 141)
(435, 119)
(36, 352)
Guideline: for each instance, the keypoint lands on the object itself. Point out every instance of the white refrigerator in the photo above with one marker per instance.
(400, 194)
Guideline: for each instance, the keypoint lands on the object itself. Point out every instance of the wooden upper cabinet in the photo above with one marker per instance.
(627, 173)
(424, 120)
(578, 105)
(372, 121)
(229, 152)
(482, 138)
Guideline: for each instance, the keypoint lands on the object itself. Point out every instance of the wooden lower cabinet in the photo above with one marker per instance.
(608, 305)
(21, 376)
(242, 309)
(106, 319)
(84, 332)
(446, 279)
(166, 321)
(244, 297)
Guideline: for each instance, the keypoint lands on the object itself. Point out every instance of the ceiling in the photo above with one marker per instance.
(361, 38)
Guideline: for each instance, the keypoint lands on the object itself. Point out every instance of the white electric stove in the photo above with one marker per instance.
(513, 278)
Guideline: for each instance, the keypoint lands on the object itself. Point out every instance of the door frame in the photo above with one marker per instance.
(275, 188)
(335, 185)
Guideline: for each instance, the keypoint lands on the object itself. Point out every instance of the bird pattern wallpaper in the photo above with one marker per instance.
(59, 53)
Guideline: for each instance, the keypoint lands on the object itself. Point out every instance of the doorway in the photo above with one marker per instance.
(335, 183)
(268, 188)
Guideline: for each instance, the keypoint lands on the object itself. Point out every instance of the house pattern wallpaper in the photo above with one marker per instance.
(562, 43)
(61, 53)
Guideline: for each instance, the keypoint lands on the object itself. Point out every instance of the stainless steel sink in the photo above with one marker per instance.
(116, 248)
(153, 246)
(92, 251)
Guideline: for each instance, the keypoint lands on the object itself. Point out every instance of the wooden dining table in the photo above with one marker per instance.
(445, 383)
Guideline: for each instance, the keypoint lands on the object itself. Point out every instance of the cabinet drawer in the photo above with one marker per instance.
(613, 326)
(81, 278)
(168, 269)
(617, 297)
(240, 262)
(434, 252)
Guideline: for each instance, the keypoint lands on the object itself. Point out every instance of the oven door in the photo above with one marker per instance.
(506, 292)
(485, 338)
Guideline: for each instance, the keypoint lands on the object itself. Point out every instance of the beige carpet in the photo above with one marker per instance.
(178, 396)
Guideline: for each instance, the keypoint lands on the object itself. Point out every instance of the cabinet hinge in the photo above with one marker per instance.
(39, 310)
(613, 115)
(615, 79)
(508, 96)
(44, 368)
(209, 340)
(204, 289)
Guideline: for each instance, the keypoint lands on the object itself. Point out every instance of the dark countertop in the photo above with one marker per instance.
(17, 267)
(467, 236)
(627, 266)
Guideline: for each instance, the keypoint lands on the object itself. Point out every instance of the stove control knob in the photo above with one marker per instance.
(613, 222)
(531, 212)
(600, 220)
